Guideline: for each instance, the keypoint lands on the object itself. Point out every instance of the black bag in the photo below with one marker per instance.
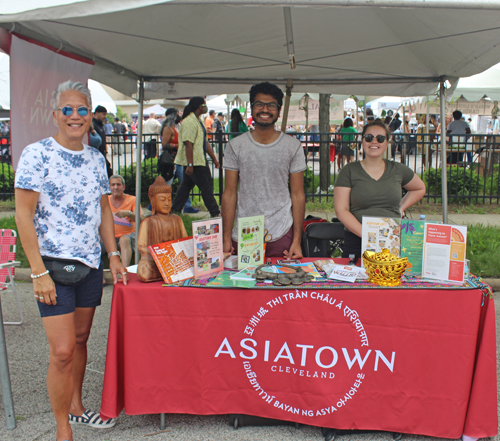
(166, 165)
(66, 271)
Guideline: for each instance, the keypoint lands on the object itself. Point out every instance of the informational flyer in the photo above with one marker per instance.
(444, 252)
(381, 232)
(208, 251)
(250, 241)
(174, 259)
(412, 244)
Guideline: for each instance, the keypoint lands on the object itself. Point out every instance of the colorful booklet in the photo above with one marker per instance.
(207, 241)
(379, 233)
(444, 252)
(224, 279)
(246, 274)
(250, 241)
(174, 259)
(412, 244)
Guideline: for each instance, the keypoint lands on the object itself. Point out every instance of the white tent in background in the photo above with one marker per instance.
(101, 97)
(156, 109)
(475, 87)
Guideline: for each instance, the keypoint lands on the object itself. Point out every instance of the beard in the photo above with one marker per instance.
(265, 124)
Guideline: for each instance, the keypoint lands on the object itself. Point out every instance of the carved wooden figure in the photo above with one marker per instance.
(161, 226)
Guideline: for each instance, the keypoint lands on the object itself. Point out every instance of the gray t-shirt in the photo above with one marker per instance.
(264, 171)
(374, 198)
(458, 127)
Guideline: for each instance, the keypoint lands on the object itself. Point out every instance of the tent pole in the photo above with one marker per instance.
(444, 182)
(289, 86)
(138, 167)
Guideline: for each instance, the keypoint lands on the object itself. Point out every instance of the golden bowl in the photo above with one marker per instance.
(384, 268)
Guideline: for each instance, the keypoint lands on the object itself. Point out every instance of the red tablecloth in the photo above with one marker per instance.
(411, 361)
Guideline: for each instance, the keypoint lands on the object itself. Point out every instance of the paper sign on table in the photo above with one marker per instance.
(378, 233)
(444, 252)
(412, 244)
(208, 251)
(250, 241)
(174, 259)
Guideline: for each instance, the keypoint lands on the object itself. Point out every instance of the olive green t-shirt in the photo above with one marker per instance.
(375, 198)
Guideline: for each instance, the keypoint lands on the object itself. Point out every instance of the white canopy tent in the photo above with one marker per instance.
(360, 47)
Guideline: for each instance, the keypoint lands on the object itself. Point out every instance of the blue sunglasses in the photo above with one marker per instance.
(68, 110)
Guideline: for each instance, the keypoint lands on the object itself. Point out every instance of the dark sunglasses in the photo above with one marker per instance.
(68, 110)
(380, 138)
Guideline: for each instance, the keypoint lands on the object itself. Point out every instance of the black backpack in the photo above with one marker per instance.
(166, 165)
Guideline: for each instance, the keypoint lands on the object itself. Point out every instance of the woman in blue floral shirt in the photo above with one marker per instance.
(62, 210)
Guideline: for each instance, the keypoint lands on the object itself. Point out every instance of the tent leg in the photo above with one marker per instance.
(444, 182)
(138, 168)
(289, 86)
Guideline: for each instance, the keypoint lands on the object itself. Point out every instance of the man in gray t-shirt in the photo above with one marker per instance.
(262, 162)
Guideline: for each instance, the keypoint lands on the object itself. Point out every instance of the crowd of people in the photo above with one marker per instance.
(69, 205)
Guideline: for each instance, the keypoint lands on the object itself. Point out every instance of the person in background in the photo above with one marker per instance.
(236, 126)
(98, 125)
(373, 187)
(61, 210)
(348, 146)
(122, 206)
(209, 122)
(170, 142)
(193, 148)
(151, 127)
(458, 129)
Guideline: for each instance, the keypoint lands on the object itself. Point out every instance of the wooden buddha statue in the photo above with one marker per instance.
(161, 226)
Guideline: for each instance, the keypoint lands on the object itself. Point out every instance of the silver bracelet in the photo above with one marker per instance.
(39, 275)
(114, 253)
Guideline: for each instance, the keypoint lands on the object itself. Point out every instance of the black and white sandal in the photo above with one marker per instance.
(92, 419)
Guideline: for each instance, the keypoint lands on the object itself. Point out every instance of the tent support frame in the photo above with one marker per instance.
(138, 168)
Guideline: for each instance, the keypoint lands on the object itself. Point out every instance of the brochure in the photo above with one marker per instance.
(245, 274)
(231, 262)
(346, 273)
(378, 233)
(174, 259)
(444, 252)
(208, 250)
(308, 267)
(250, 241)
(224, 279)
(412, 244)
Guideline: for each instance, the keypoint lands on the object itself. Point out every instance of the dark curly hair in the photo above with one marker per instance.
(267, 89)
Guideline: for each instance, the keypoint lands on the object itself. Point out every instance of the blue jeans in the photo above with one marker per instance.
(179, 174)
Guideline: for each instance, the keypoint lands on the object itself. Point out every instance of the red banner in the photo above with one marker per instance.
(35, 72)
(386, 359)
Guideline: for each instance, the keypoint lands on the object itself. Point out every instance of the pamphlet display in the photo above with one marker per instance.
(412, 244)
(174, 259)
(250, 241)
(208, 250)
(378, 233)
(444, 252)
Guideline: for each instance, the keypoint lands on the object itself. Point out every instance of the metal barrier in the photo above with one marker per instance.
(473, 163)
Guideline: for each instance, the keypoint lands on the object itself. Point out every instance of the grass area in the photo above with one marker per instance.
(7, 205)
(483, 243)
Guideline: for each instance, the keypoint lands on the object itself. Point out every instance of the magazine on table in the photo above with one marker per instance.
(250, 241)
(208, 250)
(444, 252)
(380, 232)
(174, 259)
(412, 244)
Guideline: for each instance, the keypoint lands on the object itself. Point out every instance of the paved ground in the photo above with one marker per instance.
(28, 357)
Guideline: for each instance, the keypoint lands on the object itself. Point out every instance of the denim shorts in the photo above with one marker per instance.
(87, 294)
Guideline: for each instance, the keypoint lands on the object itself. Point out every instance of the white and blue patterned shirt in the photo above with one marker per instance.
(68, 212)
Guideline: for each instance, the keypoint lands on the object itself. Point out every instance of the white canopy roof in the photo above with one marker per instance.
(190, 47)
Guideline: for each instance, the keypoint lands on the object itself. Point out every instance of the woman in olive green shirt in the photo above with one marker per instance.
(373, 187)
